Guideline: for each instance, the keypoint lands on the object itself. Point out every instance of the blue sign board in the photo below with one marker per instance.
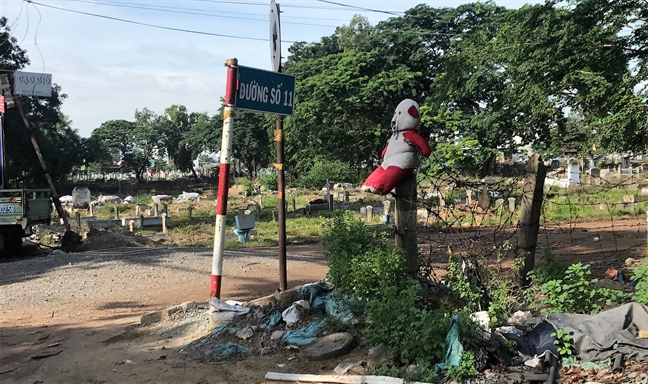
(265, 91)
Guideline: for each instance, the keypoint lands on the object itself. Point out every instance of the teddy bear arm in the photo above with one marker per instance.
(385, 150)
(418, 141)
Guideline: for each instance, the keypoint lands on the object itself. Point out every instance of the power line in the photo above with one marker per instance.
(360, 8)
(303, 6)
(189, 12)
(151, 25)
(220, 11)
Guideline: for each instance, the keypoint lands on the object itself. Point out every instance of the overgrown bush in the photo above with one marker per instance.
(397, 322)
(640, 275)
(368, 267)
(247, 187)
(492, 291)
(361, 263)
(323, 170)
(574, 293)
(269, 181)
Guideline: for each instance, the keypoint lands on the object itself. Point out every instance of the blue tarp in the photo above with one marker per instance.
(453, 348)
(302, 336)
(319, 296)
(230, 349)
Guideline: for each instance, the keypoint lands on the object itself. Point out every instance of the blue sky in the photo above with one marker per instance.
(109, 68)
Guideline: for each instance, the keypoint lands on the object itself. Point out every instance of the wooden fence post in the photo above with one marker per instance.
(531, 208)
(405, 218)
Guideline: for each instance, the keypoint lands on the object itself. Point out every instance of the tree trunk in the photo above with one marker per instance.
(250, 170)
(138, 176)
(488, 167)
(193, 170)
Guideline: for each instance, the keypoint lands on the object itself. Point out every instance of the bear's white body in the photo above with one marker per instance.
(400, 156)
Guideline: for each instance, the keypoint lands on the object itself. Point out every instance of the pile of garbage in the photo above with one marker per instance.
(609, 347)
(288, 321)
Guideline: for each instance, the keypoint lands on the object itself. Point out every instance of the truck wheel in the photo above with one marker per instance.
(13, 245)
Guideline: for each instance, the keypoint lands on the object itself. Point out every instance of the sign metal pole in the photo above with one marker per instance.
(223, 178)
(275, 55)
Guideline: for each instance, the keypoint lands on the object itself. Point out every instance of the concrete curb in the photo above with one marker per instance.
(165, 314)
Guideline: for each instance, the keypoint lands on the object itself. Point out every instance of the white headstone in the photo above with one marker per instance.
(574, 174)
(81, 197)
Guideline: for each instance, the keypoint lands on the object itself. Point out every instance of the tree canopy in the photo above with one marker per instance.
(487, 78)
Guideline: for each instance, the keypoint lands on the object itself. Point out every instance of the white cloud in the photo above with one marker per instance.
(109, 69)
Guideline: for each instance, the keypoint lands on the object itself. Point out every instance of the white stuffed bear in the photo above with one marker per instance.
(400, 156)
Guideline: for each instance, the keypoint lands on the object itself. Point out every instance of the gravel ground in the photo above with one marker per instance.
(129, 275)
(82, 310)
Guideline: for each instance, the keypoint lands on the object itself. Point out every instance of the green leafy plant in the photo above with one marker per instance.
(640, 275)
(396, 321)
(563, 342)
(323, 170)
(465, 370)
(550, 269)
(574, 293)
(459, 283)
(269, 181)
(498, 308)
(344, 238)
(248, 187)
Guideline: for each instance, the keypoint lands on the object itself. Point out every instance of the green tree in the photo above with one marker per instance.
(136, 142)
(61, 146)
(251, 141)
(149, 145)
(175, 125)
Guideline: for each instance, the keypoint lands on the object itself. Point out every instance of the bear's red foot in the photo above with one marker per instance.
(382, 181)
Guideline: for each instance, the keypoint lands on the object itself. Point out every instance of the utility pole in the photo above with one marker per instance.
(275, 55)
(55, 197)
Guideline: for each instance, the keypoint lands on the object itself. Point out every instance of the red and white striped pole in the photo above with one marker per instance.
(223, 178)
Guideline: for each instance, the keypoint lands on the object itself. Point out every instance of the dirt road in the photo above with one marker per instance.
(74, 304)
(80, 308)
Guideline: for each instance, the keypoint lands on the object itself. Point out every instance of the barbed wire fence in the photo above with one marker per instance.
(600, 221)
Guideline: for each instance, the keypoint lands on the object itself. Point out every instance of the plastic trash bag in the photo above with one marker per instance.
(293, 313)
(224, 312)
(453, 348)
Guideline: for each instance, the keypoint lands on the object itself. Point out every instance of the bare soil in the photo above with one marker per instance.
(74, 318)
(85, 307)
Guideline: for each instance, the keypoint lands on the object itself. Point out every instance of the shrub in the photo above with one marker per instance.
(640, 275)
(248, 187)
(410, 332)
(575, 294)
(269, 181)
(368, 267)
(344, 238)
(143, 199)
(327, 170)
(465, 369)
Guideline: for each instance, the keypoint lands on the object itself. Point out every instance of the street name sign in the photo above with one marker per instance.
(33, 84)
(265, 91)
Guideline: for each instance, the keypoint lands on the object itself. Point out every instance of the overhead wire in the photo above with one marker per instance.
(188, 12)
(153, 25)
(40, 19)
(172, 8)
(343, 7)
(361, 8)
(27, 31)
(18, 17)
